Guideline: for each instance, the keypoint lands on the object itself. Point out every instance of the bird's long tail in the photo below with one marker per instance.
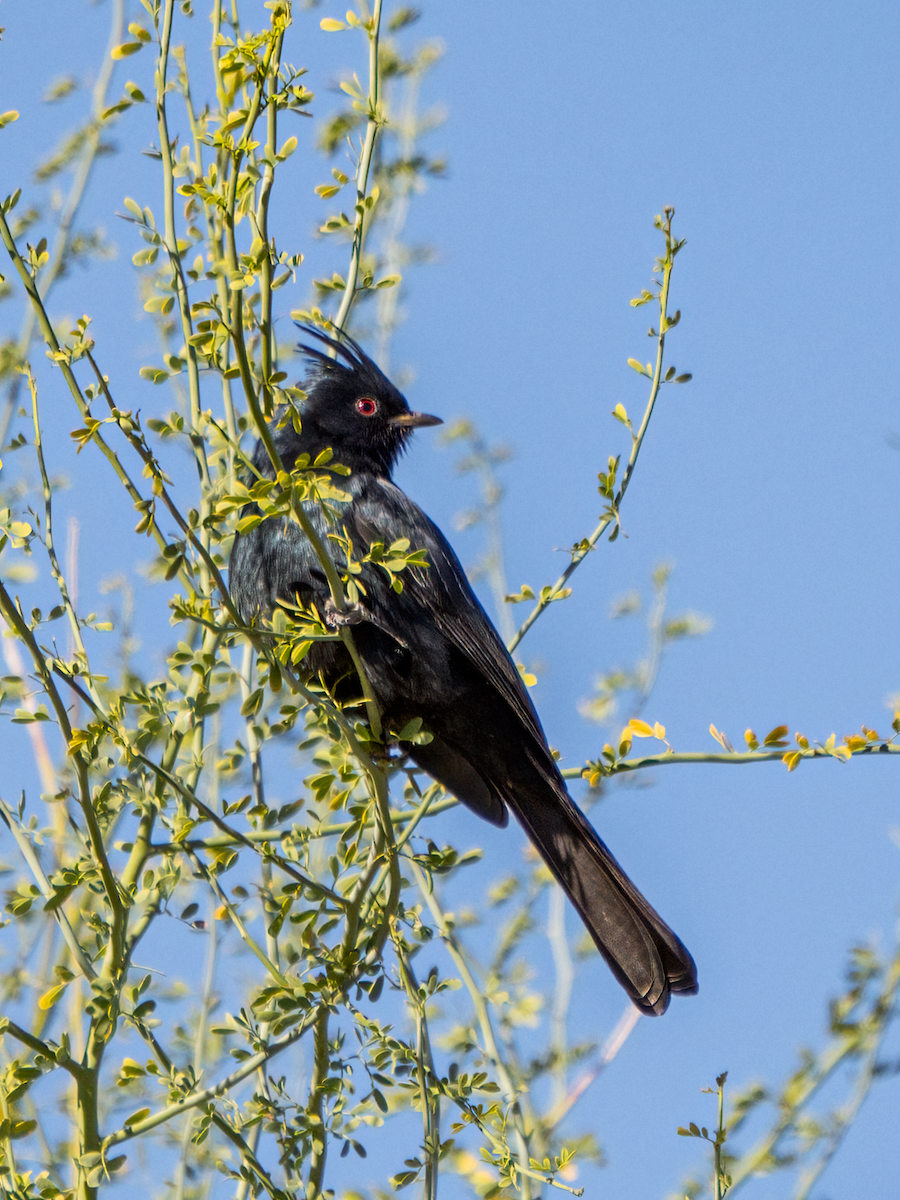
(643, 953)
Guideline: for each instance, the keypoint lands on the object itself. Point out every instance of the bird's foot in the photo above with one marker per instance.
(336, 618)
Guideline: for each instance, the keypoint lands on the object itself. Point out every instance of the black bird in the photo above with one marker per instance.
(431, 652)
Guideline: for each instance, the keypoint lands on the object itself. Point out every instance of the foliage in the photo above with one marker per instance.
(149, 829)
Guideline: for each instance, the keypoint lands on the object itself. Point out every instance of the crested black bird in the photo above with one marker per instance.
(431, 652)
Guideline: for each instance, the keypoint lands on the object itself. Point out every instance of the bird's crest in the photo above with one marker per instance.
(355, 360)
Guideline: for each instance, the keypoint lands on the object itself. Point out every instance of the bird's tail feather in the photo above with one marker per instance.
(643, 953)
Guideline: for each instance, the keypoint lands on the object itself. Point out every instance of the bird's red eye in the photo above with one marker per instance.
(366, 406)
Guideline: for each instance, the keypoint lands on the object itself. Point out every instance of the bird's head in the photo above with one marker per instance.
(353, 407)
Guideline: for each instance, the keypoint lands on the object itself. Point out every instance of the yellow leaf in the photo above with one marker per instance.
(792, 758)
(126, 49)
(638, 728)
(50, 997)
(221, 912)
(720, 737)
(330, 25)
(750, 739)
(659, 731)
(843, 753)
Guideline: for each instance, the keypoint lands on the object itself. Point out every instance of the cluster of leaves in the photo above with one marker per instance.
(155, 800)
(156, 806)
(789, 1133)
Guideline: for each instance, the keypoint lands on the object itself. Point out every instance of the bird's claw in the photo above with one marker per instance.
(336, 618)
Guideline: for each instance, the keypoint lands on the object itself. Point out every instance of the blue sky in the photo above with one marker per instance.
(770, 481)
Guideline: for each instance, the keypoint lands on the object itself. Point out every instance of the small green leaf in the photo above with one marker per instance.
(125, 49)
(122, 106)
(160, 304)
(50, 997)
(775, 736)
(153, 374)
(21, 1129)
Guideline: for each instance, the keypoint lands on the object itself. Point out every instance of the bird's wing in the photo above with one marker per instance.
(441, 592)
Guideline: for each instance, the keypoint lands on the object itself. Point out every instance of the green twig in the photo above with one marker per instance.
(580, 553)
(47, 891)
(736, 759)
(482, 1012)
(373, 124)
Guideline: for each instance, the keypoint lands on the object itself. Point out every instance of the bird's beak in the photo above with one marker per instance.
(414, 420)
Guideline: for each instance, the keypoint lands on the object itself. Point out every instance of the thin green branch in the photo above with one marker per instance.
(482, 1013)
(261, 217)
(64, 359)
(170, 242)
(248, 1157)
(735, 759)
(852, 1040)
(373, 124)
(429, 1094)
(47, 891)
(235, 918)
(580, 553)
(247, 1068)
(51, 1053)
(397, 817)
(128, 426)
(16, 621)
(315, 1112)
(62, 241)
(55, 569)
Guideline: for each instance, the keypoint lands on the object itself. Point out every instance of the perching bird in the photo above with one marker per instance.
(431, 652)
